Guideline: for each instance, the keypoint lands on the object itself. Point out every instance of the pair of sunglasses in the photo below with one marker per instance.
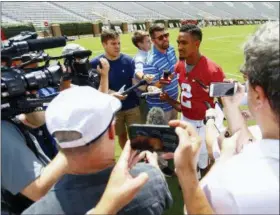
(161, 37)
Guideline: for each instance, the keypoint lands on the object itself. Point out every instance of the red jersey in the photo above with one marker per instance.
(192, 93)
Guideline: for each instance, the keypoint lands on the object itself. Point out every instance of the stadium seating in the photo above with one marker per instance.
(5, 19)
(95, 9)
(215, 12)
(188, 11)
(164, 9)
(135, 10)
(84, 9)
(38, 12)
(268, 10)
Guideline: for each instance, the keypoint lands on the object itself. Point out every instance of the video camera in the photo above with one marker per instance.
(24, 35)
(18, 85)
(18, 81)
(82, 73)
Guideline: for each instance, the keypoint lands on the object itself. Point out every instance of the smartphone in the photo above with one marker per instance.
(165, 79)
(220, 89)
(159, 138)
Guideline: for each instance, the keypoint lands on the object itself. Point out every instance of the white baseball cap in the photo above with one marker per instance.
(84, 110)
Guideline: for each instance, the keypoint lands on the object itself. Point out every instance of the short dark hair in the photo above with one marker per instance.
(108, 35)
(138, 37)
(156, 27)
(194, 30)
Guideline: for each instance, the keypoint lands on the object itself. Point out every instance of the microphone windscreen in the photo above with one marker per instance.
(156, 116)
(46, 43)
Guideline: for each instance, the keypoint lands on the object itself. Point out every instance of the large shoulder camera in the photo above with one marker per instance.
(19, 83)
(19, 80)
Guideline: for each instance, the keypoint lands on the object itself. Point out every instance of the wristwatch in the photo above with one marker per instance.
(207, 118)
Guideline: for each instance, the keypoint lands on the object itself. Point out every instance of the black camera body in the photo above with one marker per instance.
(84, 75)
(17, 85)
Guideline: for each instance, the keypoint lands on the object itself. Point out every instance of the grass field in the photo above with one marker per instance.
(221, 44)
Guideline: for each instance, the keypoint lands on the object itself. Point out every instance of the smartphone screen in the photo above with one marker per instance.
(159, 138)
(222, 89)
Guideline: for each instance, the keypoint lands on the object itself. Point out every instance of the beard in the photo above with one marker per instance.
(182, 58)
(164, 46)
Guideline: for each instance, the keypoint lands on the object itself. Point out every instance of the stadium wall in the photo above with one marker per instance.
(94, 29)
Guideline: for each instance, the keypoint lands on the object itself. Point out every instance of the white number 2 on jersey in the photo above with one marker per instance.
(186, 94)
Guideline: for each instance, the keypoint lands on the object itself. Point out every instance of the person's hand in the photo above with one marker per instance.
(186, 154)
(167, 155)
(236, 99)
(152, 158)
(119, 96)
(148, 78)
(171, 76)
(122, 187)
(164, 96)
(228, 145)
(231, 145)
(105, 67)
(247, 115)
(158, 84)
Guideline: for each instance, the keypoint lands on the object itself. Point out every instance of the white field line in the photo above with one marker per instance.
(223, 50)
(229, 36)
(239, 76)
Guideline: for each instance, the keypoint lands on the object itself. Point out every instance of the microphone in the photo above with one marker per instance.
(23, 47)
(142, 82)
(46, 43)
(207, 105)
(156, 116)
(150, 94)
(79, 54)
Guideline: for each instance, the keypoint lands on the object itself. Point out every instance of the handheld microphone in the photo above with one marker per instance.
(23, 47)
(150, 94)
(207, 105)
(156, 116)
(142, 82)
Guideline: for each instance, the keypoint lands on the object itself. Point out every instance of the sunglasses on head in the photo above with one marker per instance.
(161, 37)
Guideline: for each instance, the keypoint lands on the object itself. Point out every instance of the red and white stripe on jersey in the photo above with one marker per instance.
(193, 95)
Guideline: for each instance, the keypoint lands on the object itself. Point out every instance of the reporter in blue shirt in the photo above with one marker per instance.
(121, 73)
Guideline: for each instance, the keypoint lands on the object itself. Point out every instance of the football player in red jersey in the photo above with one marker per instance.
(195, 73)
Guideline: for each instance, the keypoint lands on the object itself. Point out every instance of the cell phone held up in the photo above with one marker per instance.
(159, 138)
(221, 89)
(165, 79)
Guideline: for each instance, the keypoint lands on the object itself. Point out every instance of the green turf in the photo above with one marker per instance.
(221, 44)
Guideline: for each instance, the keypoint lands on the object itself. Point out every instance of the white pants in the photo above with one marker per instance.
(200, 128)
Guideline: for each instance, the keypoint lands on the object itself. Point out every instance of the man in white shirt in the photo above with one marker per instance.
(245, 180)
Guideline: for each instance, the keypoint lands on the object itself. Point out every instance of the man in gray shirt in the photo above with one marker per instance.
(84, 131)
(25, 168)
